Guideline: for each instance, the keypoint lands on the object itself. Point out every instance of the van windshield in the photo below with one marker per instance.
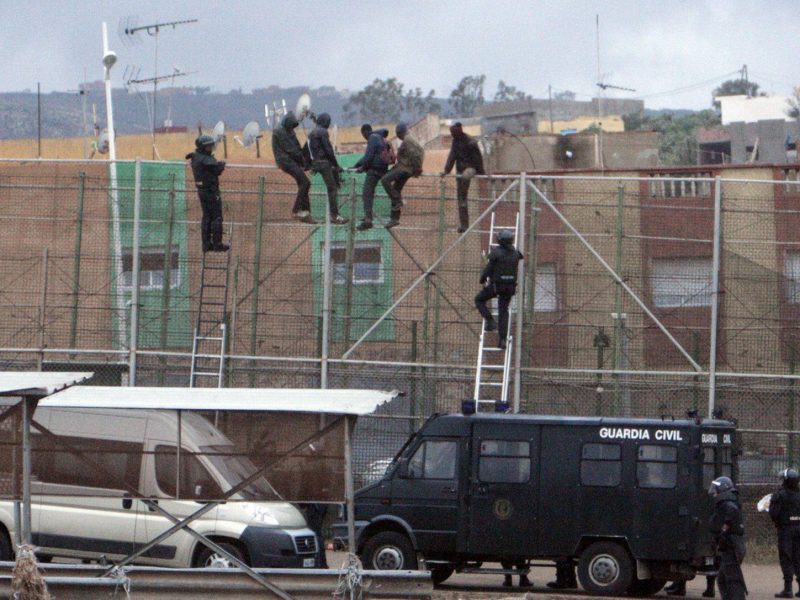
(235, 468)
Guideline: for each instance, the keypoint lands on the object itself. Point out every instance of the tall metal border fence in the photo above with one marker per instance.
(645, 293)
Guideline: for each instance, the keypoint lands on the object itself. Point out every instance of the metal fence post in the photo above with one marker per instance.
(43, 305)
(256, 274)
(134, 333)
(76, 270)
(327, 283)
(348, 266)
(712, 350)
(166, 284)
(520, 299)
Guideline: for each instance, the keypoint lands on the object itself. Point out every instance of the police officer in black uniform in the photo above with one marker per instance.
(501, 274)
(206, 170)
(784, 510)
(728, 530)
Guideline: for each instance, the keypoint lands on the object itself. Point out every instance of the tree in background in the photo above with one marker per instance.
(508, 92)
(735, 87)
(385, 100)
(794, 104)
(677, 135)
(467, 96)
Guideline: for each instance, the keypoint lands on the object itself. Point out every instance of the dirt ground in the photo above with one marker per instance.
(762, 582)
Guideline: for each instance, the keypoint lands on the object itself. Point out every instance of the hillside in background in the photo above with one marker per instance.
(63, 113)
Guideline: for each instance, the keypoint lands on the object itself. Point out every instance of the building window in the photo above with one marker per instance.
(545, 298)
(681, 282)
(657, 467)
(151, 268)
(367, 263)
(504, 461)
(678, 185)
(601, 465)
(791, 271)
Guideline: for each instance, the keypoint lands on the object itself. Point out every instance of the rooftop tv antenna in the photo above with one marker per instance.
(274, 115)
(302, 109)
(130, 33)
(250, 135)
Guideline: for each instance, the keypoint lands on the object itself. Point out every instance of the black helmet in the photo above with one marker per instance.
(203, 141)
(323, 120)
(505, 237)
(789, 475)
(720, 485)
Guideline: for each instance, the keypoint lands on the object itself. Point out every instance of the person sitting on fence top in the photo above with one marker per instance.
(374, 163)
(466, 156)
(323, 161)
(289, 158)
(206, 171)
(410, 157)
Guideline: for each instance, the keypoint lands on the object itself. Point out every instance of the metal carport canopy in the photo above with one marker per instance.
(37, 383)
(337, 401)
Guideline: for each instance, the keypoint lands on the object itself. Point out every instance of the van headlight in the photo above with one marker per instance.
(261, 514)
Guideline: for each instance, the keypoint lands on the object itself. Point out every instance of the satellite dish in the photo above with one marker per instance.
(219, 132)
(303, 107)
(219, 136)
(103, 142)
(250, 136)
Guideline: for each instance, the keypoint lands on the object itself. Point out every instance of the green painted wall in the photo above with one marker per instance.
(369, 300)
(175, 326)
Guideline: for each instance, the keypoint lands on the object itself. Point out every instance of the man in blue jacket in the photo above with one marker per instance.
(374, 165)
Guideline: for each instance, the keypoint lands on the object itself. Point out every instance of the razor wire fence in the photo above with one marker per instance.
(630, 305)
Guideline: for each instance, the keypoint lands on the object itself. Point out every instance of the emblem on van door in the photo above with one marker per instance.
(502, 509)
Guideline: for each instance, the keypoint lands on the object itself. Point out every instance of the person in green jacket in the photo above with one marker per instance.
(410, 157)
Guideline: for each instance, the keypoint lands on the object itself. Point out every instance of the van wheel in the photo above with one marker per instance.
(642, 588)
(210, 558)
(605, 569)
(389, 551)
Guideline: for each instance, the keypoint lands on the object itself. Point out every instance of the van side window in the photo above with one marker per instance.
(727, 462)
(108, 464)
(196, 481)
(433, 460)
(657, 467)
(709, 465)
(504, 461)
(601, 465)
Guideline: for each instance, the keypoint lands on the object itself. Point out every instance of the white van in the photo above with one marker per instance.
(77, 512)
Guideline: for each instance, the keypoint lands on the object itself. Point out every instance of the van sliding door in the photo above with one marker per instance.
(502, 496)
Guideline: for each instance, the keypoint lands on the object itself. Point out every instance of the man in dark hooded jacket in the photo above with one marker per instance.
(784, 510)
(323, 161)
(373, 164)
(466, 156)
(728, 530)
(206, 171)
(289, 158)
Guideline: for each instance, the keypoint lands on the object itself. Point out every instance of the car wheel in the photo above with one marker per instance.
(440, 573)
(212, 559)
(605, 568)
(642, 588)
(5, 545)
(389, 551)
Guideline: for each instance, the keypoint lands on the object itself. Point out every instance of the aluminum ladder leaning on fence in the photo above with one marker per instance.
(486, 373)
(210, 332)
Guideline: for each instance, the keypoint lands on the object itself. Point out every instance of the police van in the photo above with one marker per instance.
(625, 499)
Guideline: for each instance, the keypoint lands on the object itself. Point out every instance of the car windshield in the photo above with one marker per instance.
(235, 468)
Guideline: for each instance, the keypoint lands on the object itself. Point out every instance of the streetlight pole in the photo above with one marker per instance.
(109, 59)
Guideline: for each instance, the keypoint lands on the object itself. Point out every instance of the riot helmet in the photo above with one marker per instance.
(790, 478)
(720, 485)
(505, 237)
(203, 141)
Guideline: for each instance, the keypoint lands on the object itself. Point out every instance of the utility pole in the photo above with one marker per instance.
(550, 105)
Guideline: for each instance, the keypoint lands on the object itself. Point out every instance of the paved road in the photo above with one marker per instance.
(762, 582)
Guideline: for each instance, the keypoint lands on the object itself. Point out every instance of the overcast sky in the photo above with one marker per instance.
(673, 53)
